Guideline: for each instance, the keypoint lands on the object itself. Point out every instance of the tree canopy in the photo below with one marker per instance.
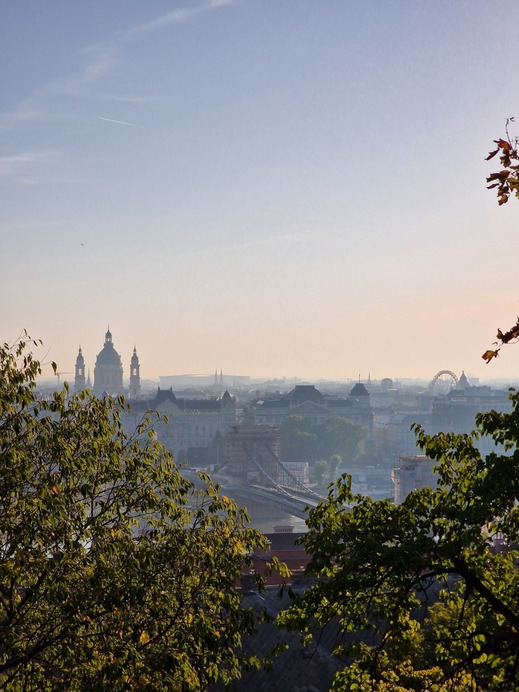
(381, 566)
(304, 440)
(324, 472)
(115, 571)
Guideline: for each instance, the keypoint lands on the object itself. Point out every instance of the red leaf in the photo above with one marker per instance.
(491, 155)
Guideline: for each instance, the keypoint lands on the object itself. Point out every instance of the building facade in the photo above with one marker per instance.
(193, 426)
(413, 472)
(307, 401)
(108, 372)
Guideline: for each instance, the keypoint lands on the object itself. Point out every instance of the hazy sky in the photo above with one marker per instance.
(268, 187)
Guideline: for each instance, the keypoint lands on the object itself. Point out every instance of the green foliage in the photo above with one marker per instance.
(380, 566)
(115, 572)
(342, 437)
(303, 440)
(298, 439)
(324, 472)
(319, 474)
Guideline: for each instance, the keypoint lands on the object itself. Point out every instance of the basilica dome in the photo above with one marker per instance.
(108, 370)
(108, 355)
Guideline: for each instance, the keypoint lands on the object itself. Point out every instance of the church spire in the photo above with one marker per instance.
(135, 378)
(79, 380)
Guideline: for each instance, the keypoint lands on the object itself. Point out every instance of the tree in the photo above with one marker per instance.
(506, 183)
(303, 440)
(298, 439)
(324, 472)
(379, 566)
(115, 571)
(342, 437)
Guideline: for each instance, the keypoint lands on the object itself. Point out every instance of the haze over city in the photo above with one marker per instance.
(269, 188)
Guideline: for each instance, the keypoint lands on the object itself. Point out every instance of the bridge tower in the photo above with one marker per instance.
(244, 442)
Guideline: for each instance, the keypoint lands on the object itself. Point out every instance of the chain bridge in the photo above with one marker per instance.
(256, 471)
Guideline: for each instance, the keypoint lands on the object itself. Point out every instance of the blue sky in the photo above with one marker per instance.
(270, 187)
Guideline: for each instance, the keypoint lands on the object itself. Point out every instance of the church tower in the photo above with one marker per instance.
(79, 381)
(135, 378)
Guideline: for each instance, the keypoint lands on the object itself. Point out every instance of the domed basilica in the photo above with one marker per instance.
(108, 371)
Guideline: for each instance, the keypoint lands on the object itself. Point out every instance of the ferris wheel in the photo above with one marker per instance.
(442, 382)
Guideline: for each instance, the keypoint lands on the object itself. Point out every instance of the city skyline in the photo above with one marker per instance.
(275, 189)
(233, 379)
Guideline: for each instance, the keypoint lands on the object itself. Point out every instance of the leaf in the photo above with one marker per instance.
(144, 637)
(503, 144)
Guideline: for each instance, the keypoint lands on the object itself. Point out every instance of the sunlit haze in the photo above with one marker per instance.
(270, 188)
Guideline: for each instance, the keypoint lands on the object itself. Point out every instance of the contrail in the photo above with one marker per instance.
(119, 122)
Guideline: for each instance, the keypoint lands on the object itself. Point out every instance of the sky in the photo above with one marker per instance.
(273, 188)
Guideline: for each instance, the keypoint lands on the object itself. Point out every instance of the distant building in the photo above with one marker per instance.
(400, 439)
(135, 377)
(108, 370)
(307, 401)
(298, 469)
(413, 472)
(213, 382)
(79, 379)
(386, 384)
(456, 411)
(193, 424)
